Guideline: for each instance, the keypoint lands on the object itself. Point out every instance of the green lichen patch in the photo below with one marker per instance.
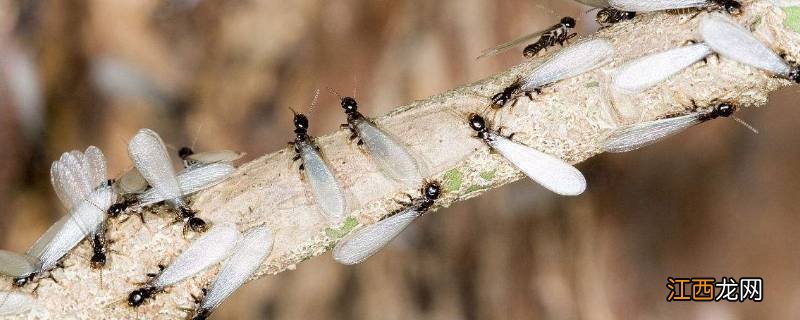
(474, 188)
(792, 18)
(488, 175)
(453, 180)
(593, 84)
(342, 231)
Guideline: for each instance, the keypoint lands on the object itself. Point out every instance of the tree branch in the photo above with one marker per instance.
(569, 120)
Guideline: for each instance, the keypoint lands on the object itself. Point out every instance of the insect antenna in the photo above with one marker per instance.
(745, 124)
(313, 103)
(334, 92)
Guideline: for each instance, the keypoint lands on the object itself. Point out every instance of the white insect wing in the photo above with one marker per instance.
(16, 265)
(733, 41)
(636, 136)
(83, 219)
(248, 255)
(150, 157)
(15, 303)
(215, 156)
(365, 242)
(204, 252)
(390, 154)
(324, 186)
(45, 239)
(569, 62)
(191, 180)
(70, 181)
(595, 3)
(549, 171)
(646, 72)
(96, 166)
(655, 5)
(493, 51)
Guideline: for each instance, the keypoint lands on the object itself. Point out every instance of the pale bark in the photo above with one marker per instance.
(569, 120)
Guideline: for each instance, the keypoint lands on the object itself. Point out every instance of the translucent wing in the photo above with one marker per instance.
(733, 41)
(595, 3)
(15, 303)
(213, 157)
(324, 186)
(16, 265)
(248, 254)
(61, 185)
(45, 239)
(83, 219)
(639, 135)
(569, 62)
(212, 247)
(96, 166)
(655, 5)
(530, 38)
(390, 155)
(551, 172)
(191, 180)
(646, 72)
(199, 177)
(70, 180)
(150, 157)
(363, 243)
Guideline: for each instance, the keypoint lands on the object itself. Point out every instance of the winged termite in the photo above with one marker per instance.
(549, 171)
(214, 246)
(365, 242)
(391, 155)
(608, 15)
(149, 155)
(569, 62)
(730, 6)
(645, 72)
(639, 135)
(556, 34)
(324, 187)
(249, 253)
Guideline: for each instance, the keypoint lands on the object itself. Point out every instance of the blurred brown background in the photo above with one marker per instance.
(718, 201)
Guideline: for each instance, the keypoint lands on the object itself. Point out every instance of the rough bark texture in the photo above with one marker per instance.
(569, 120)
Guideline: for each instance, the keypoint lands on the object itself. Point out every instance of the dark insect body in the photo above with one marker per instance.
(608, 16)
(557, 34)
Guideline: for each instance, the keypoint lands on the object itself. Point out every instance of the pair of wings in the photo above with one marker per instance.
(85, 217)
(391, 155)
(643, 73)
(549, 171)
(656, 5)
(221, 156)
(324, 186)
(77, 174)
(190, 180)
(252, 249)
(569, 62)
(150, 157)
(639, 135)
(365, 242)
(529, 38)
(79, 182)
(214, 246)
(734, 42)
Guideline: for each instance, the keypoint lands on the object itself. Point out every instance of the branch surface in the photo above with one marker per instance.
(570, 120)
